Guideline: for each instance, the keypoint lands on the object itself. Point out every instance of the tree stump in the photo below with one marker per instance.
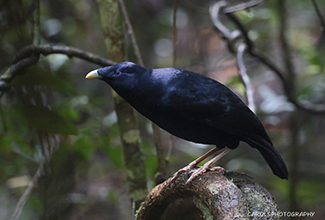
(212, 195)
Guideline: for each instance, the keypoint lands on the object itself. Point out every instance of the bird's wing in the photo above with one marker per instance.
(206, 101)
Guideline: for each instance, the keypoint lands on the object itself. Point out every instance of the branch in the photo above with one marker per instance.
(67, 50)
(242, 30)
(229, 9)
(129, 130)
(320, 16)
(22, 200)
(304, 105)
(253, 51)
(214, 195)
(286, 54)
(36, 23)
(175, 33)
(161, 169)
(242, 48)
(242, 6)
(160, 176)
(15, 68)
(50, 149)
(131, 33)
(30, 55)
(215, 11)
(239, 49)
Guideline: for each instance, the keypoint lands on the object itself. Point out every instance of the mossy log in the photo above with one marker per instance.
(212, 195)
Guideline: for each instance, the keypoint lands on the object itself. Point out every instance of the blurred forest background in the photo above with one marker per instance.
(59, 137)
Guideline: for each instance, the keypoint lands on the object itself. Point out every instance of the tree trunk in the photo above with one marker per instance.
(129, 131)
(212, 195)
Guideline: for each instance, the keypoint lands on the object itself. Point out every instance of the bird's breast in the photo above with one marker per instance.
(174, 122)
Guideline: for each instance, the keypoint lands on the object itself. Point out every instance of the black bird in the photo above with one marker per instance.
(193, 107)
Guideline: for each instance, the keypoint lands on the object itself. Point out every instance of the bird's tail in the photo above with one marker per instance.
(271, 156)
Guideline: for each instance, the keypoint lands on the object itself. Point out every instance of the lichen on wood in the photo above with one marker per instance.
(129, 131)
(212, 195)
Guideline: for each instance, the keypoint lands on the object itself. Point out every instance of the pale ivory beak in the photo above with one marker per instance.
(93, 75)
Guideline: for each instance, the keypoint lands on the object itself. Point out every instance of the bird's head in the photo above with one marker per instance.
(122, 77)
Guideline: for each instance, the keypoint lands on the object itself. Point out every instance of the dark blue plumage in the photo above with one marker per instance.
(191, 106)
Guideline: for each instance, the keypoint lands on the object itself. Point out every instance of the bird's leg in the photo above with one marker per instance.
(208, 165)
(195, 162)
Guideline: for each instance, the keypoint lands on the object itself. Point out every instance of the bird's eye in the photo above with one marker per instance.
(117, 73)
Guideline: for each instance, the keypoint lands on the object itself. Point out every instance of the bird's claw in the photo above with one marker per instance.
(197, 172)
(201, 170)
(194, 173)
(218, 169)
(183, 170)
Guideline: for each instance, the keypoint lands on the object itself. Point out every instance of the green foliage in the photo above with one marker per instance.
(115, 154)
(43, 119)
(37, 76)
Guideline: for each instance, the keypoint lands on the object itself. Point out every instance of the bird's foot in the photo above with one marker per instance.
(218, 169)
(207, 166)
(183, 170)
(201, 170)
